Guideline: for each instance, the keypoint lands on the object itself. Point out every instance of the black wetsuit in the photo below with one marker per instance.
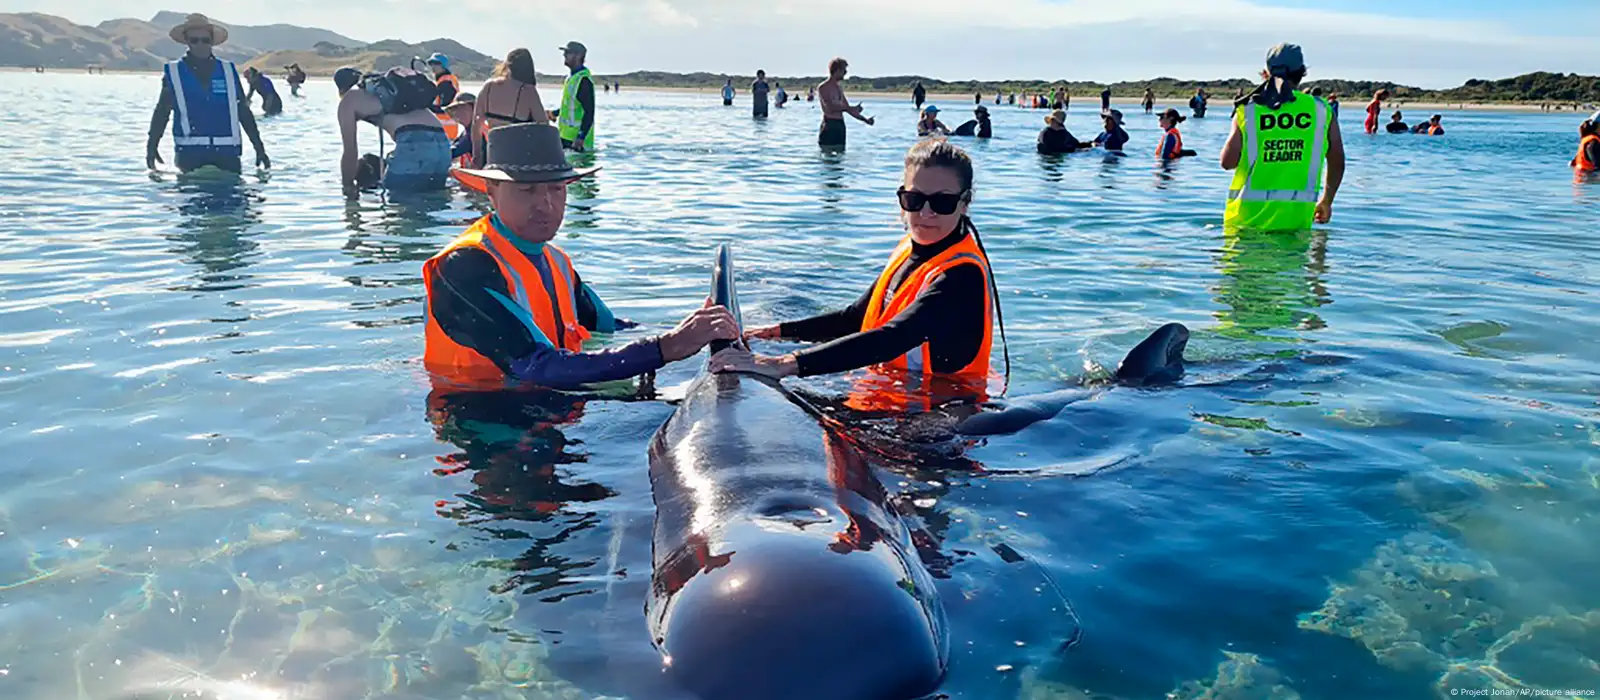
(1053, 141)
(1397, 128)
(460, 299)
(447, 90)
(948, 315)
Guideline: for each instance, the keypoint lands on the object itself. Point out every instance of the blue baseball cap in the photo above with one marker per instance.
(930, 109)
(440, 59)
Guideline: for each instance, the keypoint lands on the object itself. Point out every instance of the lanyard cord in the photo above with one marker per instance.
(999, 311)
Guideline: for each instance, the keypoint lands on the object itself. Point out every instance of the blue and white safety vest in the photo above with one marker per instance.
(207, 116)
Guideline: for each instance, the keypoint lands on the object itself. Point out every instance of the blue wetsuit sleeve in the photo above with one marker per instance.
(1169, 143)
(562, 369)
(462, 145)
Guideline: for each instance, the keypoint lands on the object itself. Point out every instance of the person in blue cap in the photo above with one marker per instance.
(930, 125)
(449, 85)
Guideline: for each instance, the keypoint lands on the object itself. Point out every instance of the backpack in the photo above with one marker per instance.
(401, 90)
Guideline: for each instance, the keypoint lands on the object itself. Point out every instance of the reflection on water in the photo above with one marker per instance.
(1271, 281)
(212, 230)
(513, 451)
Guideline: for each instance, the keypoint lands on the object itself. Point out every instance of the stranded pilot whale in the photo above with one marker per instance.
(780, 568)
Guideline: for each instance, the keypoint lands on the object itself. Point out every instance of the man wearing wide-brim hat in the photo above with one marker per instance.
(506, 305)
(206, 102)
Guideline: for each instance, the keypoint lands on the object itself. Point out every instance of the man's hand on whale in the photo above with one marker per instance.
(741, 360)
(707, 324)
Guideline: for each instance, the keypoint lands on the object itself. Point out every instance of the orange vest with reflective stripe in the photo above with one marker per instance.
(1177, 144)
(882, 307)
(1583, 163)
(452, 128)
(556, 318)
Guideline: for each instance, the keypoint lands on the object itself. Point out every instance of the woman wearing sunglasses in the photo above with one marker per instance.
(930, 311)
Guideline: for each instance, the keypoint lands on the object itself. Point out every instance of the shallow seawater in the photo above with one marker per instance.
(225, 473)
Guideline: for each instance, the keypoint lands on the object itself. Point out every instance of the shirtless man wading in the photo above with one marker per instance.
(835, 106)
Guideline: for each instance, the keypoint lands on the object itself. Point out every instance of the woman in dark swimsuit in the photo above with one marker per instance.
(510, 97)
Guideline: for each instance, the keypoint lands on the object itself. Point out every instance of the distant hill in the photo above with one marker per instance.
(32, 39)
(1533, 87)
(244, 42)
(325, 58)
(263, 38)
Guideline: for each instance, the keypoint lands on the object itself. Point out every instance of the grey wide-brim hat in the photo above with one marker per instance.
(527, 153)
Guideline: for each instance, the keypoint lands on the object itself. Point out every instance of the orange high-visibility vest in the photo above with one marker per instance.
(446, 78)
(1583, 163)
(882, 307)
(1177, 145)
(556, 318)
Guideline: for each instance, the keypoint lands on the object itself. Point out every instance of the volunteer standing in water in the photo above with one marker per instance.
(211, 111)
(420, 159)
(505, 304)
(257, 82)
(448, 84)
(931, 311)
(835, 105)
(577, 100)
(1280, 140)
(758, 95)
(510, 96)
(1373, 108)
(1588, 160)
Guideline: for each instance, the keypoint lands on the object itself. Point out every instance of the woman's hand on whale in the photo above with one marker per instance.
(741, 360)
(767, 333)
(706, 324)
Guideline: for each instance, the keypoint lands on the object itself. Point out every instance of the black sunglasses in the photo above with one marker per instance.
(199, 40)
(943, 203)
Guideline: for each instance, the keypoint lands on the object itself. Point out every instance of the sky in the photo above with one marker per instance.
(1428, 43)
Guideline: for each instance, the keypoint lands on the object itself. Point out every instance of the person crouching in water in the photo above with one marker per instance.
(256, 82)
(1054, 138)
(1280, 140)
(1171, 145)
(1114, 138)
(505, 304)
(457, 123)
(979, 126)
(929, 124)
(420, 159)
(1588, 160)
(931, 313)
(1397, 124)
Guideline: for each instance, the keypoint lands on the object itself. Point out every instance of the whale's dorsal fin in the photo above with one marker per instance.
(723, 293)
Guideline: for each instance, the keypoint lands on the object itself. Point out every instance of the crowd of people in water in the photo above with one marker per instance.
(506, 303)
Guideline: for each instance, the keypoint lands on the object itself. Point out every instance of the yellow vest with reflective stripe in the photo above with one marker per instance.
(1276, 186)
(572, 112)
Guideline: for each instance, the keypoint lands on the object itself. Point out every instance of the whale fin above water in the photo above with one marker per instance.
(1156, 360)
